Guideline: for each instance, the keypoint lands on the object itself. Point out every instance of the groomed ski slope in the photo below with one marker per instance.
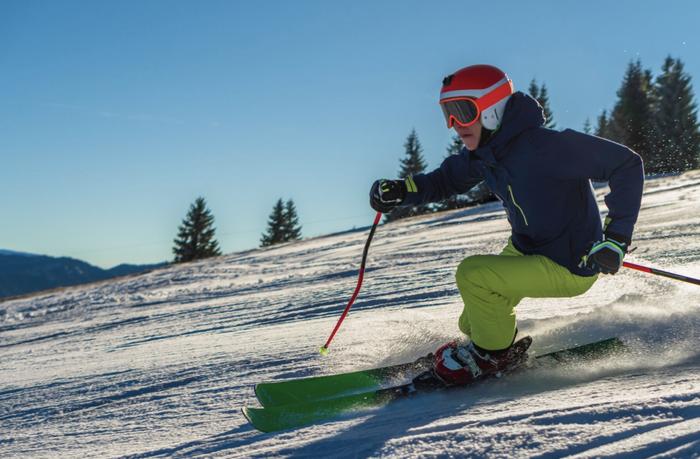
(160, 364)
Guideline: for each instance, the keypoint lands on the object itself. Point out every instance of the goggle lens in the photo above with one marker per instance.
(464, 111)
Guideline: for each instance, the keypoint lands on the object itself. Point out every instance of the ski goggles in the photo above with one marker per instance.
(465, 107)
(464, 111)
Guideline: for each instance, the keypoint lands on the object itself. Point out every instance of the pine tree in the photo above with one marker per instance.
(195, 238)
(412, 164)
(454, 147)
(541, 94)
(675, 120)
(534, 90)
(631, 119)
(276, 226)
(291, 229)
(587, 128)
(544, 101)
(601, 129)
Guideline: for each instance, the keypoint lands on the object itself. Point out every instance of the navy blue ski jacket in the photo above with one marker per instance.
(542, 176)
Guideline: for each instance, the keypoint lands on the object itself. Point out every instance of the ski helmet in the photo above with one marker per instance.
(475, 92)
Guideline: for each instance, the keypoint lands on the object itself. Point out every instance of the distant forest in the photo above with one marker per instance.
(656, 116)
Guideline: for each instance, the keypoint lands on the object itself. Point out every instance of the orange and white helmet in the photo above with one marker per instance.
(475, 92)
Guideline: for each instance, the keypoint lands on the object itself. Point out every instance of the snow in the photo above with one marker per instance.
(160, 364)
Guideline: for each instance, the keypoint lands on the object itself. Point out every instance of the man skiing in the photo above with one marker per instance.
(558, 244)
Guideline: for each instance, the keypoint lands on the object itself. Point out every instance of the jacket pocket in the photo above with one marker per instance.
(517, 206)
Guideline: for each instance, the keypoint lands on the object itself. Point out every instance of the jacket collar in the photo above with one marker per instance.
(522, 112)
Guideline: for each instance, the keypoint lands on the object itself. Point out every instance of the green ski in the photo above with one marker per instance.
(333, 386)
(316, 407)
(275, 418)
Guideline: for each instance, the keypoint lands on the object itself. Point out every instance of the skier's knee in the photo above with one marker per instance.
(470, 268)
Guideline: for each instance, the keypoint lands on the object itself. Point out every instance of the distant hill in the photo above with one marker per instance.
(22, 273)
(12, 252)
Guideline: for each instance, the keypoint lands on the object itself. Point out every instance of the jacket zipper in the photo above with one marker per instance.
(510, 190)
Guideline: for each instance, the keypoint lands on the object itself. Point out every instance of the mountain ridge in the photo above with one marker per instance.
(22, 273)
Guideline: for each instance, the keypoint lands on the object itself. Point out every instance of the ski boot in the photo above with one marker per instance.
(460, 364)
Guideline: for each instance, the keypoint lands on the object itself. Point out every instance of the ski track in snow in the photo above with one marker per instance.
(160, 364)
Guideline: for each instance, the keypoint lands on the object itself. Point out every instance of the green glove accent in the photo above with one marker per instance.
(605, 256)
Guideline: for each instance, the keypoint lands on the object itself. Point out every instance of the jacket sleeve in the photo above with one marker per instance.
(455, 175)
(589, 157)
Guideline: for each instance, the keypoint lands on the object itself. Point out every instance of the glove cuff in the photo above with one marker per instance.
(623, 241)
(403, 187)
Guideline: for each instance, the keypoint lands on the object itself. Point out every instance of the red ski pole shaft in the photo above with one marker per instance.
(659, 272)
(324, 349)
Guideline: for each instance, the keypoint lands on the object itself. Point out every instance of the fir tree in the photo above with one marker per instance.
(291, 229)
(544, 101)
(601, 129)
(631, 119)
(454, 147)
(541, 94)
(676, 120)
(276, 226)
(587, 128)
(412, 164)
(195, 238)
(533, 89)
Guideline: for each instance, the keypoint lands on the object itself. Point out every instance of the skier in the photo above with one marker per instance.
(558, 243)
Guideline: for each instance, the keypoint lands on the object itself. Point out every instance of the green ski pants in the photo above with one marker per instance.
(492, 285)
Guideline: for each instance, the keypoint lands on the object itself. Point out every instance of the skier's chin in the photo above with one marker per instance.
(470, 141)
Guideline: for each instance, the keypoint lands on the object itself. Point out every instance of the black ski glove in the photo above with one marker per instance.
(385, 195)
(606, 256)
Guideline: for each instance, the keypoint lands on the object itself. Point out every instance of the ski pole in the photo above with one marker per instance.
(324, 348)
(659, 272)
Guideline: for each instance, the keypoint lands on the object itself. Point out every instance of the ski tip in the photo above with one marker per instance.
(246, 414)
(249, 414)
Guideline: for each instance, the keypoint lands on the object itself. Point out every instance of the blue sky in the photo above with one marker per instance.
(115, 116)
